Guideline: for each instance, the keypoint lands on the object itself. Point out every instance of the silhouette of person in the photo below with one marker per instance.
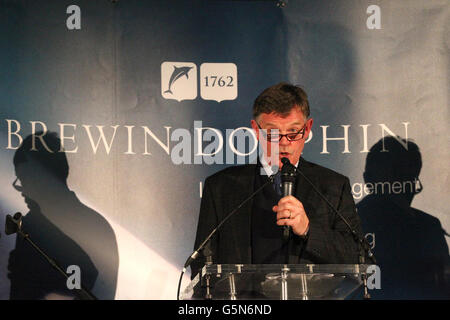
(410, 244)
(67, 230)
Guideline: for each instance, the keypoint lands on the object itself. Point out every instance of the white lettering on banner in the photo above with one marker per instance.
(63, 137)
(374, 20)
(384, 187)
(130, 140)
(213, 149)
(101, 138)
(238, 146)
(40, 136)
(73, 22)
(345, 139)
(365, 148)
(240, 134)
(166, 147)
(218, 81)
(15, 133)
(404, 142)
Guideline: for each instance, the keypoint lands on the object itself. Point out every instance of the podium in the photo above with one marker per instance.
(275, 281)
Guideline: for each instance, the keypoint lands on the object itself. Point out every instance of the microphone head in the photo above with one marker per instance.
(18, 217)
(13, 224)
(288, 171)
(285, 161)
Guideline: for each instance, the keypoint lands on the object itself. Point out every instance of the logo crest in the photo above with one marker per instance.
(179, 80)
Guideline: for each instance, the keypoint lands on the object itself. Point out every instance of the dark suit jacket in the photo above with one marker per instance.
(329, 241)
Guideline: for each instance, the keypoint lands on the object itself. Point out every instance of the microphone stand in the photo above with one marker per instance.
(14, 225)
(207, 252)
(364, 247)
(195, 254)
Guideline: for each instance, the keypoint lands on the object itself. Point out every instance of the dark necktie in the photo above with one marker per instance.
(277, 183)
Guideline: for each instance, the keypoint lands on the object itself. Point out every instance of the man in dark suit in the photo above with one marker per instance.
(254, 234)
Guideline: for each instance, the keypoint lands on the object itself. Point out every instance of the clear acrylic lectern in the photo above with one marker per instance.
(275, 281)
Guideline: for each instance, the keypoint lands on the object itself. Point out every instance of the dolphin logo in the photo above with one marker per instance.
(177, 74)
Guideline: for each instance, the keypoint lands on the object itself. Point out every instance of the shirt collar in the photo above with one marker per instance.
(270, 170)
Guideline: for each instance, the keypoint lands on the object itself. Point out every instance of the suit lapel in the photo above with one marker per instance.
(303, 189)
(242, 218)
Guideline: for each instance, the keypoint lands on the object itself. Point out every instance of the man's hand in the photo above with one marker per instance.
(290, 212)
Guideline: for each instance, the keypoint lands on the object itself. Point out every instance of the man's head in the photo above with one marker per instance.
(395, 160)
(283, 109)
(38, 169)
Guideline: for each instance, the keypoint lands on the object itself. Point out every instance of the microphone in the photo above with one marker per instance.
(13, 224)
(288, 174)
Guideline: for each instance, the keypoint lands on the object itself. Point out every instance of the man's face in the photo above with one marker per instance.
(292, 123)
(30, 182)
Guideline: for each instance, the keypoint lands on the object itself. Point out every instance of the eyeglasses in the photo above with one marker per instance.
(17, 186)
(276, 137)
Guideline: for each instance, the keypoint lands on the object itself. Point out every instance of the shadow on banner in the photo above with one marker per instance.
(409, 244)
(68, 231)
